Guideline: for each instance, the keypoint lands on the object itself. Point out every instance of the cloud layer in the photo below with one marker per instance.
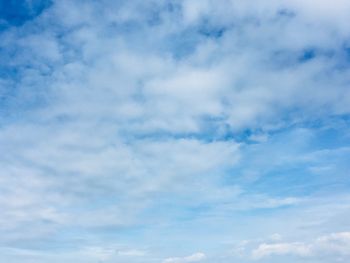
(140, 131)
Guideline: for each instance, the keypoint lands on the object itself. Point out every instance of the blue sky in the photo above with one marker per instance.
(174, 131)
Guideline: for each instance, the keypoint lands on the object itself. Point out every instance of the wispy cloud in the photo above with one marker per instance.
(335, 245)
(192, 258)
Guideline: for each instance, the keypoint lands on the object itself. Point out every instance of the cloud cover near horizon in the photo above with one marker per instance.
(174, 131)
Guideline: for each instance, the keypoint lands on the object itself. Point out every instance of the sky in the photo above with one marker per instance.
(174, 131)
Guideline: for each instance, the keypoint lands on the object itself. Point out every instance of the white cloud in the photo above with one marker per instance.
(197, 257)
(335, 243)
(110, 108)
(265, 250)
(132, 253)
(332, 245)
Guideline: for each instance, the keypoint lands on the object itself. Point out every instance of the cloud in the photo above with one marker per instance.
(147, 85)
(265, 250)
(335, 243)
(332, 245)
(132, 253)
(197, 257)
(123, 118)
